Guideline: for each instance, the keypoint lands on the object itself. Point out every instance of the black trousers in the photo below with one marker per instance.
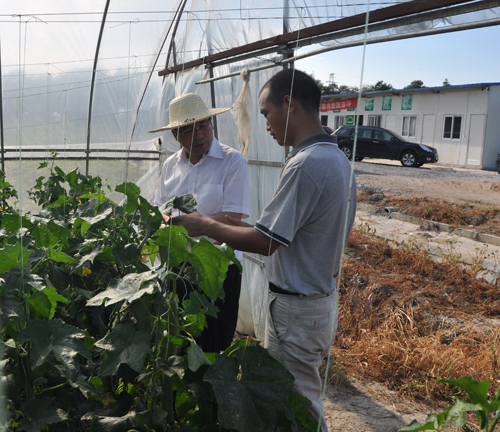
(220, 331)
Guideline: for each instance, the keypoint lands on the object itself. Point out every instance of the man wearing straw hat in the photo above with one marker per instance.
(304, 229)
(218, 175)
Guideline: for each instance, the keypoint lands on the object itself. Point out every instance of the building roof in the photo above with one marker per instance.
(450, 87)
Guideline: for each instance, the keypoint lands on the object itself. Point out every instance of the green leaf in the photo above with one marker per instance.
(12, 222)
(195, 324)
(92, 212)
(89, 250)
(54, 337)
(199, 304)
(233, 349)
(174, 366)
(85, 386)
(111, 424)
(39, 413)
(252, 395)
(35, 281)
(211, 266)
(458, 410)
(126, 254)
(477, 391)
(185, 203)
(172, 241)
(59, 256)
(40, 306)
(230, 254)
(132, 287)
(13, 256)
(298, 409)
(429, 424)
(10, 301)
(196, 357)
(54, 297)
(123, 345)
(132, 192)
(432, 422)
(50, 234)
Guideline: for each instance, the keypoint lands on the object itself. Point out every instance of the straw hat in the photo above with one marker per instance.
(188, 109)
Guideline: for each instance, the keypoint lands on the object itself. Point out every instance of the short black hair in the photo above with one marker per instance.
(295, 83)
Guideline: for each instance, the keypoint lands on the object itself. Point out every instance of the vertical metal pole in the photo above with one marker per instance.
(94, 70)
(212, 94)
(1, 111)
(288, 52)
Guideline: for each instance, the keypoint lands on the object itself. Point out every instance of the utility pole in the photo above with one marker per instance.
(331, 80)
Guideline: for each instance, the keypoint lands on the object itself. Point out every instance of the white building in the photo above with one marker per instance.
(461, 122)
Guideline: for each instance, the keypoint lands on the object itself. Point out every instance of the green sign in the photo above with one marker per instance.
(351, 109)
(369, 102)
(386, 103)
(349, 120)
(406, 102)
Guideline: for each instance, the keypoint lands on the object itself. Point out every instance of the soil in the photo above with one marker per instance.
(368, 401)
(457, 185)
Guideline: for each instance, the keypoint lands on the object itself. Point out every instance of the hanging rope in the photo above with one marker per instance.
(242, 113)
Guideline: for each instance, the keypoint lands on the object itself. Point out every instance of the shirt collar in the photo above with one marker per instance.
(215, 152)
(313, 139)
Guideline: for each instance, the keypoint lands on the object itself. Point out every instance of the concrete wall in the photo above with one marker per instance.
(492, 134)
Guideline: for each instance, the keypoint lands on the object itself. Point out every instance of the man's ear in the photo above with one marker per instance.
(289, 103)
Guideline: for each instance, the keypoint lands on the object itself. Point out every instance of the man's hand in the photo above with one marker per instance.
(235, 233)
(193, 222)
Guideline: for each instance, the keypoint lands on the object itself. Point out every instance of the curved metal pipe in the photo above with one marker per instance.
(94, 70)
(178, 14)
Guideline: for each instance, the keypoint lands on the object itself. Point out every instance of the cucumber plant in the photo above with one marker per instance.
(487, 411)
(96, 338)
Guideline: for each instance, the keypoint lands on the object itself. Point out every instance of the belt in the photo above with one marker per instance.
(277, 290)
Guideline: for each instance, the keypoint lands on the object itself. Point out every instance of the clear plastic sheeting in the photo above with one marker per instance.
(55, 54)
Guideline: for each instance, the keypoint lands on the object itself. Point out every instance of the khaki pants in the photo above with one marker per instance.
(299, 336)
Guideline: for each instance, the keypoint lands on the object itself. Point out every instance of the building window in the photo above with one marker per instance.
(339, 121)
(409, 126)
(452, 127)
(374, 120)
(324, 120)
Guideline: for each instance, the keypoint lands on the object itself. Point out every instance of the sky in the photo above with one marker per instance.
(465, 57)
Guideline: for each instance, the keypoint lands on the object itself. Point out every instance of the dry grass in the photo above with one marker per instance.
(407, 321)
(483, 218)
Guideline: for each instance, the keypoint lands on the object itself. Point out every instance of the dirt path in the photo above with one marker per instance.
(369, 407)
(357, 406)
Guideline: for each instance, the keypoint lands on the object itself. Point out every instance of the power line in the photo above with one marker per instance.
(142, 12)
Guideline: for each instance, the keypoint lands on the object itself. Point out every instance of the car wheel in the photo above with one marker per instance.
(346, 150)
(409, 159)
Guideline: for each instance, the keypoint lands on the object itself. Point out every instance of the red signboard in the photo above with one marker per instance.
(339, 104)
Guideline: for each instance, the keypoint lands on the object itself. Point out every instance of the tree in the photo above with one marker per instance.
(378, 86)
(415, 84)
(348, 89)
(334, 88)
(446, 83)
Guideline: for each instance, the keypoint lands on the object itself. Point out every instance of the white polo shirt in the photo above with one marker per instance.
(219, 181)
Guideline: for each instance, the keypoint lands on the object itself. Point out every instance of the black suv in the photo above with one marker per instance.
(375, 142)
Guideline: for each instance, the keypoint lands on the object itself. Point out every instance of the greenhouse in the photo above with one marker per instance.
(82, 84)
